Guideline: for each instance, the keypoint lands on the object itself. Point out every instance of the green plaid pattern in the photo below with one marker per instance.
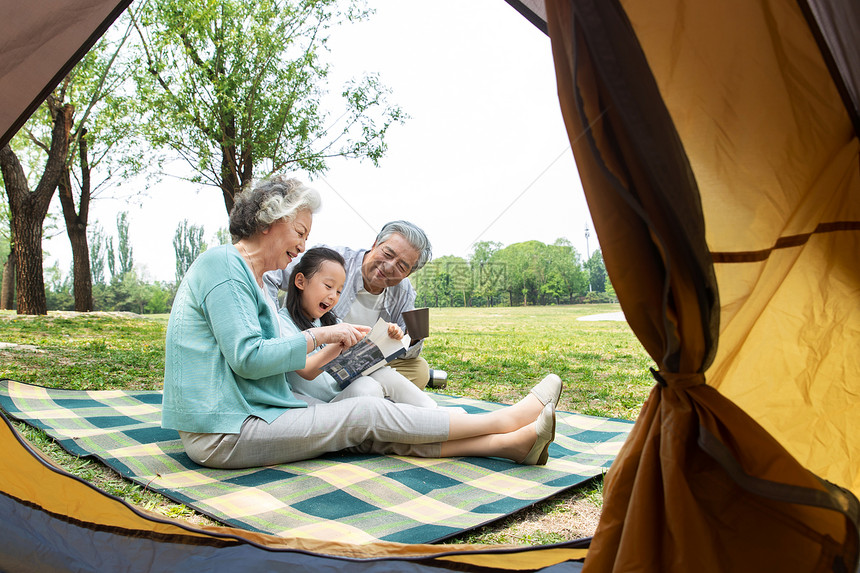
(351, 498)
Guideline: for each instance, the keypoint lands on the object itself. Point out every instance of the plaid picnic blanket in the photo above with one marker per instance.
(352, 498)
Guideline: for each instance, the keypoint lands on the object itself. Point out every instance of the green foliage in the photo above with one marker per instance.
(105, 112)
(159, 299)
(98, 247)
(596, 271)
(522, 273)
(188, 243)
(610, 290)
(598, 298)
(110, 257)
(59, 290)
(222, 236)
(125, 251)
(484, 280)
(126, 292)
(446, 281)
(237, 87)
(131, 294)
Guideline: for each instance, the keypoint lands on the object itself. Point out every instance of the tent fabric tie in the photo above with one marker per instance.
(678, 380)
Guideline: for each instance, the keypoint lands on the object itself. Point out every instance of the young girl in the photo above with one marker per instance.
(314, 288)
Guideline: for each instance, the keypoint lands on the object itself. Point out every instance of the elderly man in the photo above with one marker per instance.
(377, 286)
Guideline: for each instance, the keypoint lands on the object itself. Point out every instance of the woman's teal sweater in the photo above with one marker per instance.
(224, 358)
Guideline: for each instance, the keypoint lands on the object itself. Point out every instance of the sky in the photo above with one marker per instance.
(483, 157)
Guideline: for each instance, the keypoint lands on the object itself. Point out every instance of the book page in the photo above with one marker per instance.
(369, 354)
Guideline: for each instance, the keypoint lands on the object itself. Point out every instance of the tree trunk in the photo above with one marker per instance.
(7, 293)
(30, 282)
(28, 209)
(237, 167)
(82, 277)
(76, 229)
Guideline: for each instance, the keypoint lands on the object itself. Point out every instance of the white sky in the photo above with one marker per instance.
(484, 155)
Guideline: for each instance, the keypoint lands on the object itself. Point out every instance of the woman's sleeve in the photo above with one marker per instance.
(232, 310)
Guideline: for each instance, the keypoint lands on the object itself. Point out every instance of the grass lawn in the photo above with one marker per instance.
(495, 354)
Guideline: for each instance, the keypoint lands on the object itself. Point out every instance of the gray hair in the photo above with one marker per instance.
(265, 201)
(413, 235)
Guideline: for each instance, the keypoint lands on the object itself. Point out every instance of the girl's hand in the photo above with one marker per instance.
(344, 334)
(394, 331)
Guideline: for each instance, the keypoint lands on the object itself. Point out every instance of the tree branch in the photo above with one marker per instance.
(154, 72)
(32, 137)
(98, 92)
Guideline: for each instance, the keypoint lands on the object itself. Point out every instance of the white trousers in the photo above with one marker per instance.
(364, 424)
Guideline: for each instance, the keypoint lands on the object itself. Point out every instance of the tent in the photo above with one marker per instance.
(717, 143)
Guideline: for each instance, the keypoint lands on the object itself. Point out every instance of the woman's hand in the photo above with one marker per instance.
(394, 331)
(343, 334)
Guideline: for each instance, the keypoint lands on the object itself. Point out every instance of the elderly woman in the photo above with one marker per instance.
(225, 388)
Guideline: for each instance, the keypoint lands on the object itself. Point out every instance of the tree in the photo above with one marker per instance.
(125, 253)
(236, 87)
(7, 291)
(110, 257)
(459, 278)
(98, 246)
(27, 207)
(487, 277)
(564, 275)
(159, 297)
(7, 294)
(522, 269)
(596, 272)
(434, 283)
(58, 289)
(70, 129)
(103, 146)
(187, 244)
(130, 293)
(222, 237)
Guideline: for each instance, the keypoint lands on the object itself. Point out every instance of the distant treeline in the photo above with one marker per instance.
(519, 274)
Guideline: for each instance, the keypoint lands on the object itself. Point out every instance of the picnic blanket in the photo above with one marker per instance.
(351, 498)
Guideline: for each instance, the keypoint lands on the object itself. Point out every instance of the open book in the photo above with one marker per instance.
(370, 354)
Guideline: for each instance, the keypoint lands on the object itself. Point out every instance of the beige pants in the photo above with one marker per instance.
(366, 425)
(416, 369)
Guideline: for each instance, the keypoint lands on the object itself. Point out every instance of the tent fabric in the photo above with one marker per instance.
(719, 165)
(775, 127)
(836, 26)
(41, 42)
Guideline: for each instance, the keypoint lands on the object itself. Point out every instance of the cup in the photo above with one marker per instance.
(417, 323)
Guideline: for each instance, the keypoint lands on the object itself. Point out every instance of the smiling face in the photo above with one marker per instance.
(321, 291)
(286, 239)
(388, 263)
